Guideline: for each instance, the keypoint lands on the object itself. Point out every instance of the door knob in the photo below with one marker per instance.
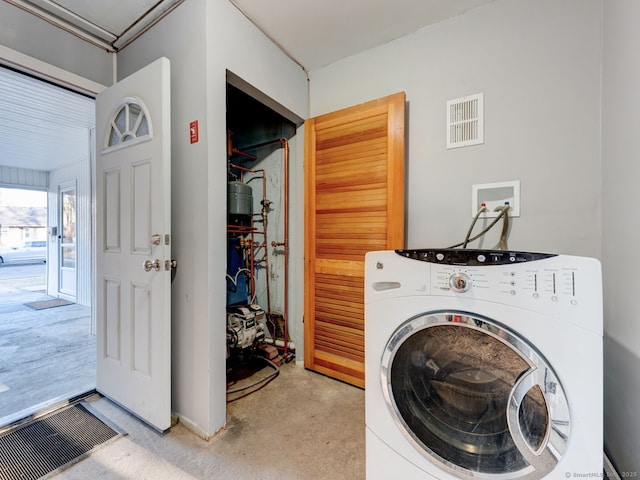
(149, 265)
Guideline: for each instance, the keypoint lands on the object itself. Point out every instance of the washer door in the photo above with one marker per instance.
(474, 398)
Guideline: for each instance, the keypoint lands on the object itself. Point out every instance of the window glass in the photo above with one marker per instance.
(450, 384)
(130, 123)
(69, 257)
(69, 216)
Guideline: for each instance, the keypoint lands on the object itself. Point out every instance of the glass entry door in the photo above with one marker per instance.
(68, 247)
(474, 397)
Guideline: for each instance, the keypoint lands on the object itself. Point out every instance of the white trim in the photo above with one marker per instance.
(148, 20)
(64, 18)
(42, 69)
(62, 22)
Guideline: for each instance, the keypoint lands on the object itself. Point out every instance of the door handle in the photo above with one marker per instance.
(149, 265)
(170, 264)
(545, 457)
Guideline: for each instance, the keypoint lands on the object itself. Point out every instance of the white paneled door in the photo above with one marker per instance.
(133, 201)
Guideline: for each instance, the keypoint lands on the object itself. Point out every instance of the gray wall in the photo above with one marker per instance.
(538, 64)
(203, 39)
(621, 231)
(27, 34)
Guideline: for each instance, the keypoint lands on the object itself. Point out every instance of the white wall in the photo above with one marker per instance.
(25, 33)
(538, 64)
(621, 231)
(23, 177)
(202, 39)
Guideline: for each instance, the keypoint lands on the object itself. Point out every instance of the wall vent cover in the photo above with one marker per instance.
(465, 121)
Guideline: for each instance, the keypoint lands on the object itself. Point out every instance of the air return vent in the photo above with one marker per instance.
(465, 121)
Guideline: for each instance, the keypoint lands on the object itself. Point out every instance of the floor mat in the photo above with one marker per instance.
(42, 446)
(56, 302)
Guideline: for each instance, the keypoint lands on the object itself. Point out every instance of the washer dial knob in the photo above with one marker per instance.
(460, 282)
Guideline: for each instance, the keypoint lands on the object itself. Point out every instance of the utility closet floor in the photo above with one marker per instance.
(299, 426)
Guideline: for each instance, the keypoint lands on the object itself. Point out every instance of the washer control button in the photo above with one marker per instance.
(460, 282)
(439, 256)
(482, 258)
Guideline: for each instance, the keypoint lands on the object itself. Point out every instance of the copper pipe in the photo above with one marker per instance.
(244, 154)
(285, 145)
(241, 229)
(229, 143)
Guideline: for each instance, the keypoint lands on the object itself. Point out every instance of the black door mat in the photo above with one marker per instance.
(44, 445)
(56, 302)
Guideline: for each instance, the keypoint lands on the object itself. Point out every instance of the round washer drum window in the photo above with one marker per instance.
(474, 397)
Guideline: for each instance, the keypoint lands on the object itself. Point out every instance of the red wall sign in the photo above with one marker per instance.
(193, 131)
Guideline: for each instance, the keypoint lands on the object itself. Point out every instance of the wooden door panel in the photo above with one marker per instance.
(354, 200)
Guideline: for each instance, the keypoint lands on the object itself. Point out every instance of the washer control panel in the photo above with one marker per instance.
(541, 281)
(550, 282)
(472, 257)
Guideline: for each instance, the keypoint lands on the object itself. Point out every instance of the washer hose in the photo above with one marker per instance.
(489, 227)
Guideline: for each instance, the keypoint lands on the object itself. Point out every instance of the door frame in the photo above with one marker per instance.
(71, 185)
(36, 68)
(63, 78)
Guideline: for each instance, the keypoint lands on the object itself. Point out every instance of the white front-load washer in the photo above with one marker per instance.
(482, 364)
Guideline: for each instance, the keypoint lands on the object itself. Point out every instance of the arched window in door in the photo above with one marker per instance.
(129, 124)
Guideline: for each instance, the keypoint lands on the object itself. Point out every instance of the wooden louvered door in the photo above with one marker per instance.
(354, 203)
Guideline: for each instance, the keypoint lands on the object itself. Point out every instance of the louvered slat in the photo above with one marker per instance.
(354, 204)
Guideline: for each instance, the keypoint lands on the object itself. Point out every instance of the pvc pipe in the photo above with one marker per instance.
(279, 343)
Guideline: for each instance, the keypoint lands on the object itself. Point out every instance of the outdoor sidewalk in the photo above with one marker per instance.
(46, 356)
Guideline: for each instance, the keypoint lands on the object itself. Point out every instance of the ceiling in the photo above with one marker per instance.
(109, 24)
(43, 127)
(316, 33)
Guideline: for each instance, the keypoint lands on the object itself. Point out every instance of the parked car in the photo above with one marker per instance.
(32, 251)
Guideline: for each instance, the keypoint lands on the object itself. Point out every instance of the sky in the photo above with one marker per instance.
(22, 198)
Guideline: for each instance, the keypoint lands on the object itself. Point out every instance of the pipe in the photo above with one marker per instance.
(285, 143)
(244, 154)
(279, 343)
(264, 202)
(285, 244)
